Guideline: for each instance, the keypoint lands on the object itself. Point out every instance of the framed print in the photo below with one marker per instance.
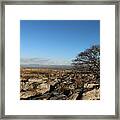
(60, 59)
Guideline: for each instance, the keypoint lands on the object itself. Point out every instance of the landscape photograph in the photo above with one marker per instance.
(59, 60)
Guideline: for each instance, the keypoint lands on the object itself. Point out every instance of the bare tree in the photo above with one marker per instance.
(89, 61)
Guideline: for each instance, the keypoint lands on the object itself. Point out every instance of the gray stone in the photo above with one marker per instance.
(91, 95)
(27, 94)
(73, 96)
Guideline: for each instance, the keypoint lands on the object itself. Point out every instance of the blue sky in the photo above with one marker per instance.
(48, 42)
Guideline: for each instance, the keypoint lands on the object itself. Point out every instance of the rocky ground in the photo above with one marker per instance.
(45, 84)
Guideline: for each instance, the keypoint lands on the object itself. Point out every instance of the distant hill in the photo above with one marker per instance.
(46, 66)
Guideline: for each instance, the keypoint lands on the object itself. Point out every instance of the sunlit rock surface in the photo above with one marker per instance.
(49, 84)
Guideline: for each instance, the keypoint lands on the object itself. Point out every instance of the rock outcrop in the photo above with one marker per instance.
(59, 85)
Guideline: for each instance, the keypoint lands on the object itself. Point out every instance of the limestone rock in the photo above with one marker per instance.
(91, 95)
(90, 86)
(27, 94)
(43, 88)
(73, 96)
